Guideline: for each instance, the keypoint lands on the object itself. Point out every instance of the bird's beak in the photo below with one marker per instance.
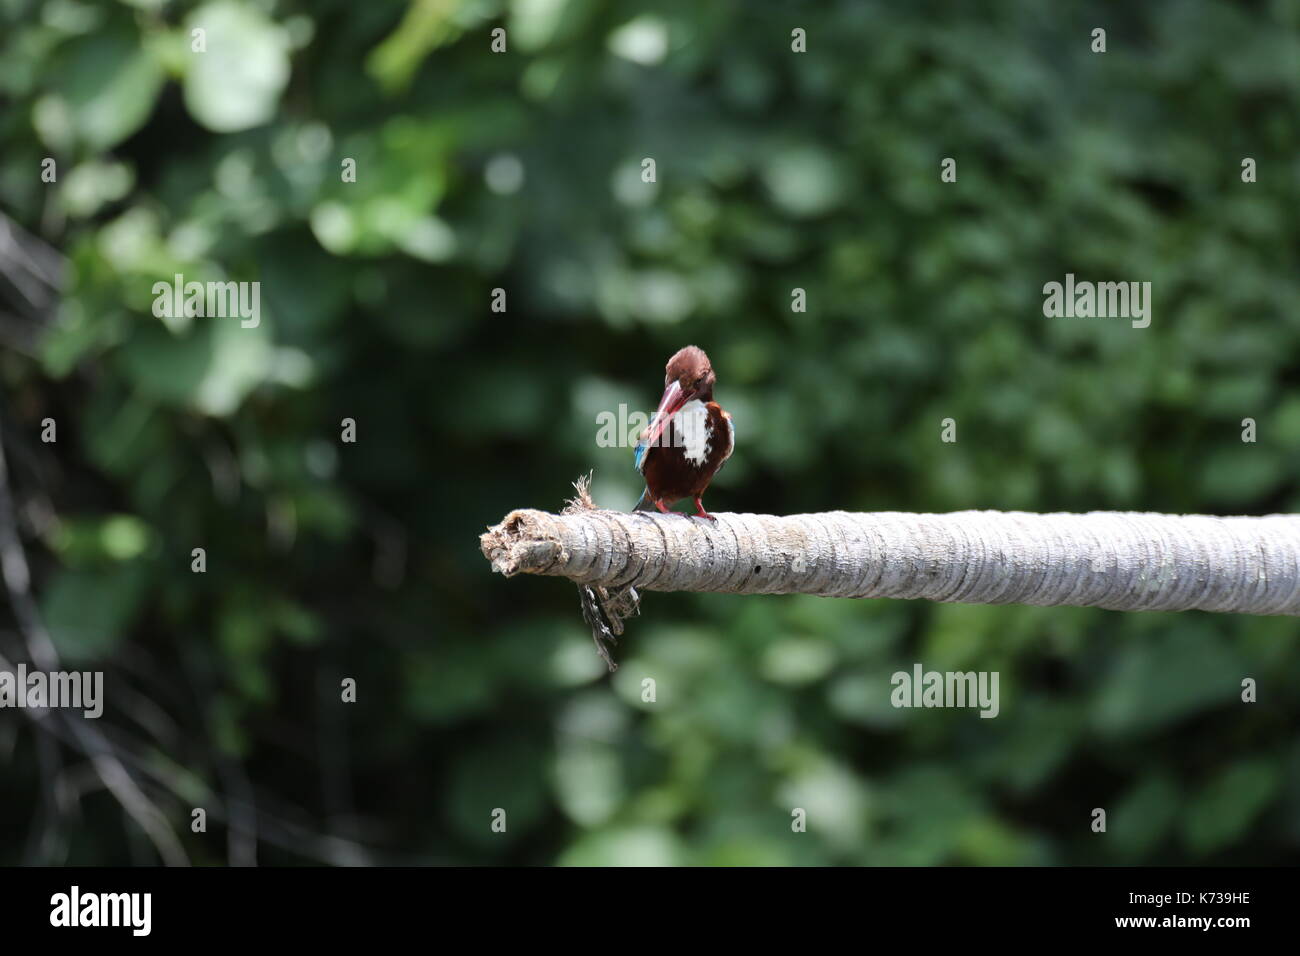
(673, 399)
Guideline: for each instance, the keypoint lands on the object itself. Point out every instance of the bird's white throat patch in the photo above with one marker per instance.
(693, 431)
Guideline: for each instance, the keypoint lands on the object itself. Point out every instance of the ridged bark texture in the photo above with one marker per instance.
(1119, 560)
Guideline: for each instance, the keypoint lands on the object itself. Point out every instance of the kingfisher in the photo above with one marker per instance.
(689, 438)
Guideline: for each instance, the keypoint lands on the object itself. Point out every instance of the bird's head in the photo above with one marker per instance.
(691, 370)
(687, 376)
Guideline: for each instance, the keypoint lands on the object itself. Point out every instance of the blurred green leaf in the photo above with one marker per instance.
(1229, 803)
(87, 612)
(110, 84)
(236, 81)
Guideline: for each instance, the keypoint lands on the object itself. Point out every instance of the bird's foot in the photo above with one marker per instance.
(700, 512)
(662, 507)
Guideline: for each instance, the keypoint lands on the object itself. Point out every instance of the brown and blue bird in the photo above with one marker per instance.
(689, 438)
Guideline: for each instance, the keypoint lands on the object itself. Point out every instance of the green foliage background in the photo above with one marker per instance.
(775, 171)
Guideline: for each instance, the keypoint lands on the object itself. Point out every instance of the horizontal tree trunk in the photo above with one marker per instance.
(1125, 561)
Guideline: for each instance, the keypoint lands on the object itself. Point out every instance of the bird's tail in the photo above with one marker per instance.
(644, 503)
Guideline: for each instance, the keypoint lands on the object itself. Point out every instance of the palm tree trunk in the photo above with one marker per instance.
(1119, 560)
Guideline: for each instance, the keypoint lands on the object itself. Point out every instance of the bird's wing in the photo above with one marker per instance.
(731, 438)
(644, 445)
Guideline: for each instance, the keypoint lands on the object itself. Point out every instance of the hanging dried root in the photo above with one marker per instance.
(604, 609)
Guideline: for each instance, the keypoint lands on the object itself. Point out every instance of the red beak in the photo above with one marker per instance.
(673, 399)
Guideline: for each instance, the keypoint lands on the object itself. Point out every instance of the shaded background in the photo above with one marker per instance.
(521, 171)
